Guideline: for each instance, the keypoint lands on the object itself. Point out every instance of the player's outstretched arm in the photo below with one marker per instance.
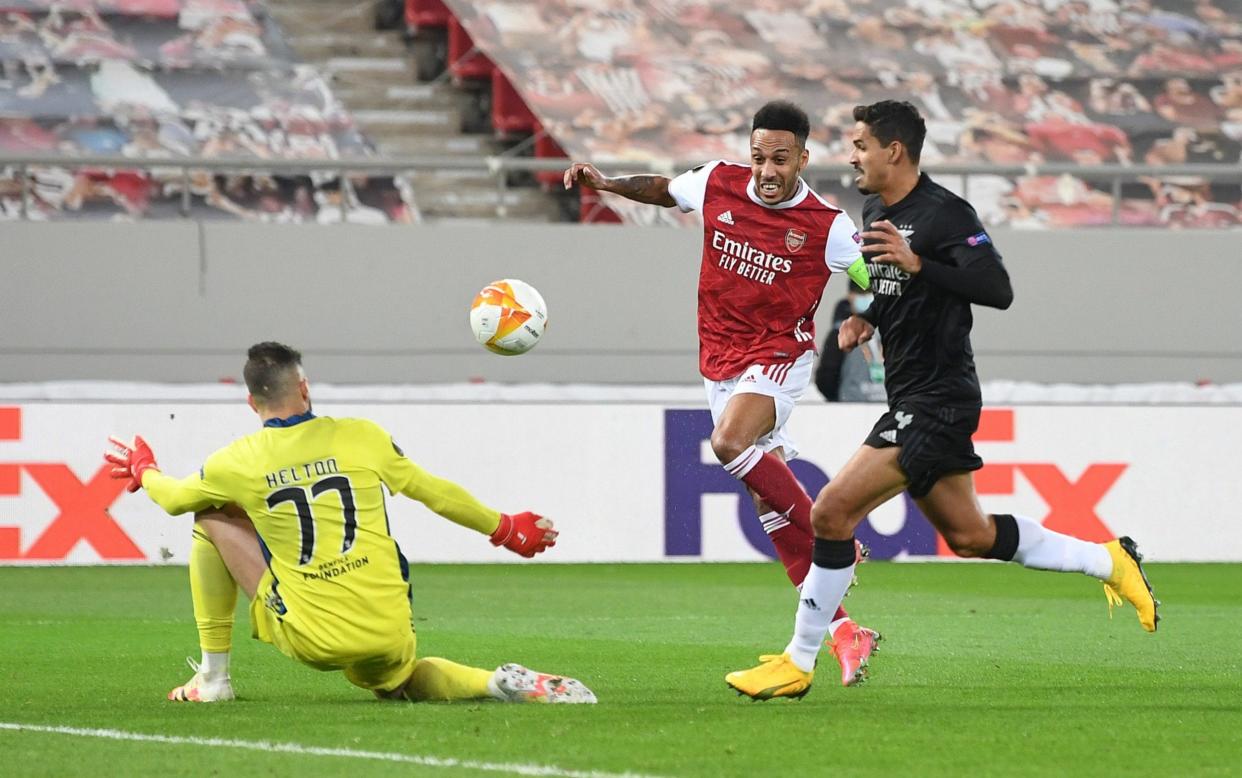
(130, 460)
(525, 534)
(135, 462)
(645, 188)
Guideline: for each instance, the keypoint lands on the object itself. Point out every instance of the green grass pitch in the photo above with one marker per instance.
(985, 669)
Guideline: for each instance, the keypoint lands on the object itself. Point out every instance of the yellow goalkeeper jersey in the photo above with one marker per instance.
(314, 489)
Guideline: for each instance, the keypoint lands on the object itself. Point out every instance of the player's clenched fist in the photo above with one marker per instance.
(525, 534)
(131, 460)
(586, 174)
(854, 332)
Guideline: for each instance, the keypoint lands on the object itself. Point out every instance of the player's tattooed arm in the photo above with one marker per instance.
(641, 188)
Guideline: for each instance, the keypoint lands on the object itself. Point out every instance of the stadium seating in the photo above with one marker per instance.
(1012, 83)
(466, 62)
(510, 116)
(422, 14)
(146, 79)
(1117, 82)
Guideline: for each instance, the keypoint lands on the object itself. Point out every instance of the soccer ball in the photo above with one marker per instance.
(508, 317)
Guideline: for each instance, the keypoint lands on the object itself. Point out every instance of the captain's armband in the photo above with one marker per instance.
(858, 273)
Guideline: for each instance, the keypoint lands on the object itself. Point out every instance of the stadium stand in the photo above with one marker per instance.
(1002, 82)
(1006, 85)
(169, 79)
(429, 97)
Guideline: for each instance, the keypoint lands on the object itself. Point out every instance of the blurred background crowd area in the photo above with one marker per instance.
(1001, 82)
(165, 79)
(641, 82)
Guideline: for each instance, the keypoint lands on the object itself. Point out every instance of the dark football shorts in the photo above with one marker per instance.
(934, 441)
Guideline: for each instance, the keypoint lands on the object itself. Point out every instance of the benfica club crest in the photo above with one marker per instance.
(794, 240)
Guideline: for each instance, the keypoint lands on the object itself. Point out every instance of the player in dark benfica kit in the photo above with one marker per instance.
(929, 260)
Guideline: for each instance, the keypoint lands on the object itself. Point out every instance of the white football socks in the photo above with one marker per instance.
(1043, 549)
(215, 664)
(821, 595)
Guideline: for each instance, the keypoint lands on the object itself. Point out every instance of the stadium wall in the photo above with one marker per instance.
(635, 483)
(179, 301)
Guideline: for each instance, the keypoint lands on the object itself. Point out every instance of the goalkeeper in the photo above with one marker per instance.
(294, 514)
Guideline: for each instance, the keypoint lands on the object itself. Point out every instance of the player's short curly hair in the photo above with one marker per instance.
(271, 370)
(895, 120)
(783, 115)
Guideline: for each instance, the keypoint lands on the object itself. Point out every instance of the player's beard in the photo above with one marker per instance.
(862, 189)
(781, 194)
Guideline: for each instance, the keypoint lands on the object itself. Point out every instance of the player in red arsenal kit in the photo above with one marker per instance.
(770, 244)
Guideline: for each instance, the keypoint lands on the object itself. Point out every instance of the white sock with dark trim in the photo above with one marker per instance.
(821, 594)
(1043, 549)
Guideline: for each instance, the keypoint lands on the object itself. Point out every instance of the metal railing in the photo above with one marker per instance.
(500, 166)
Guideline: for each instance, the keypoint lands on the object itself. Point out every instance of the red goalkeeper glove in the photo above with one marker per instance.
(131, 460)
(525, 534)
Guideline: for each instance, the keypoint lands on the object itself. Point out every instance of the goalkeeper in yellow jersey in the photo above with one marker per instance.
(294, 514)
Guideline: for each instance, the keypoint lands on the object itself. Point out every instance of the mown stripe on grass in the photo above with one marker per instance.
(297, 748)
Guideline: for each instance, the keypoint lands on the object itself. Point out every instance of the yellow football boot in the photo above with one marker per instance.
(1129, 583)
(778, 676)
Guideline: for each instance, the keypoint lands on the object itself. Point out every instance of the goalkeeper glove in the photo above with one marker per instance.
(131, 460)
(525, 534)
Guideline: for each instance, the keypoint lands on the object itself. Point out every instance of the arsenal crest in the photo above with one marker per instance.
(794, 240)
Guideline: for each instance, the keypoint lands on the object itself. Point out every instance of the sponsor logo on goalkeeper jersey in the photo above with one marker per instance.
(335, 568)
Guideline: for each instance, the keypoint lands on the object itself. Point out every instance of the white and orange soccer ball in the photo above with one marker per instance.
(508, 317)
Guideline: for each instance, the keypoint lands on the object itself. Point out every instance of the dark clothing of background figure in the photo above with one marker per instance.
(849, 378)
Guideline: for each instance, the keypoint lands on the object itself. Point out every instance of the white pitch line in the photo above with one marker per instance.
(296, 748)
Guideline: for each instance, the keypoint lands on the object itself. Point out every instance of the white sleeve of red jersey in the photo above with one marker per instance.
(844, 245)
(690, 188)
